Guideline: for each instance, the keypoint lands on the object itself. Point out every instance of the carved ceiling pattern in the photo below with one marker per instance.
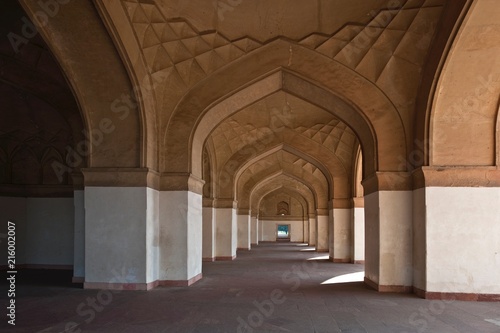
(393, 42)
(238, 132)
(177, 48)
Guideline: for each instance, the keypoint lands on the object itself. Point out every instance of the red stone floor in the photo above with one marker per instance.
(275, 287)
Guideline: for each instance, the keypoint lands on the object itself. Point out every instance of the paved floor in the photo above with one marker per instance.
(273, 288)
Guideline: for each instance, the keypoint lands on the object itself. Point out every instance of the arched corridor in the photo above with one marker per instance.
(144, 143)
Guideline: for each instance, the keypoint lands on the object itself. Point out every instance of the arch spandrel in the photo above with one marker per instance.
(463, 116)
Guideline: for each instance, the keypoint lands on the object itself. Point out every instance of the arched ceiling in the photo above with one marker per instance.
(281, 181)
(195, 54)
(250, 145)
(286, 163)
(298, 206)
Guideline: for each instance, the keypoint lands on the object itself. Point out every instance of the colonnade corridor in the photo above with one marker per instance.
(274, 287)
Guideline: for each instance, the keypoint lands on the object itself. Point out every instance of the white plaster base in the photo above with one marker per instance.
(388, 234)
(152, 236)
(260, 230)
(181, 234)
(243, 222)
(312, 231)
(341, 235)
(305, 224)
(226, 239)
(79, 236)
(462, 228)
(208, 251)
(115, 237)
(322, 233)
(254, 231)
(358, 235)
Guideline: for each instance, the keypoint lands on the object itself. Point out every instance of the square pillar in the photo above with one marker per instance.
(305, 222)
(388, 232)
(340, 249)
(358, 231)
(456, 223)
(254, 230)
(181, 235)
(243, 225)
(116, 238)
(226, 239)
(312, 230)
(322, 219)
(208, 244)
(79, 237)
(260, 229)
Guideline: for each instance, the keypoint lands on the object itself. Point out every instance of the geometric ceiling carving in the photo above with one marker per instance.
(393, 41)
(253, 126)
(175, 46)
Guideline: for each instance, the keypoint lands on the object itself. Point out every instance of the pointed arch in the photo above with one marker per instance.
(371, 115)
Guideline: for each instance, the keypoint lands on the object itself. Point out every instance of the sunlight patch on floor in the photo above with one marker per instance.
(494, 321)
(320, 258)
(351, 277)
(311, 249)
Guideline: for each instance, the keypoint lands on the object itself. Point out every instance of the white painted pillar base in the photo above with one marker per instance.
(358, 235)
(261, 230)
(305, 223)
(181, 235)
(322, 233)
(312, 230)
(208, 250)
(118, 229)
(341, 235)
(79, 237)
(226, 238)
(243, 222)
(254, 231)
(457, 248)
(388, 247)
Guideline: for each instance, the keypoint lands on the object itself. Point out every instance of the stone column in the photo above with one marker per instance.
(340, 249)
(226, 231)
(305, 220)
(208, 251)
(312, 229)
(243, 221)
(254, 230)
(180, 211)
(358, 231)
(79, 230)
(261, 229)
(121, 229)
(388, 231)
(456, 223)
(322, 219)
